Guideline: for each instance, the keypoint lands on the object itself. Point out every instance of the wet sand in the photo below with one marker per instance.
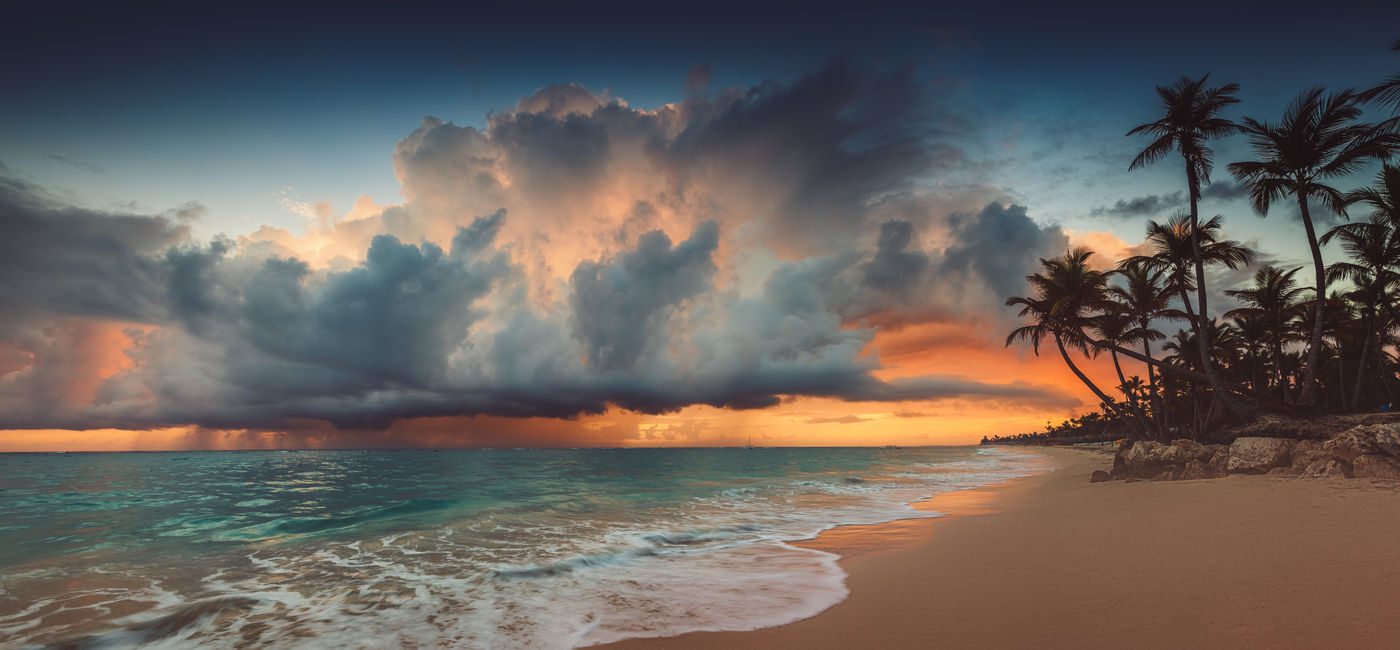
(1053, 561)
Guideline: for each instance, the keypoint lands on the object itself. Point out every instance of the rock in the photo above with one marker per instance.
(1302, 461)
(1136, 461)
(1219, 464)
(1191, 448)
(1169, 475)
(1326, 468)
(1305, 446)
(1372, 440)
(1133, 479)
(1147, 459)
(1119, 464)
(1259, 455)
(1099, 476)
(1195, 469)
(1281, 471)
(1118, 473)
(1373, 466)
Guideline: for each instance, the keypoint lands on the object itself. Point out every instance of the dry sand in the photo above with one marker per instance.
(1052, 561)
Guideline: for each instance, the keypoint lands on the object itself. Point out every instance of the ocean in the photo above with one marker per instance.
(525, 548)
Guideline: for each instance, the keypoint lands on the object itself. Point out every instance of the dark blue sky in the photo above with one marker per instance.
(230, 106)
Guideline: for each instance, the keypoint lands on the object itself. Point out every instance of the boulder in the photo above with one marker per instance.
(1146, 459)
(1099, 476)
(1305, 446)
(1281, 471)
(1372, 440)
(1171, 474)
(1259, 455)
(1195, 469)
(1192, 448)
(1119, 464)
(1118, 473)
(1374, 466)
(1219, 463)
(1303, 459)
(1326, 468)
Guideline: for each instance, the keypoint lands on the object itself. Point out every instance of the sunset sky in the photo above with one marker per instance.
(526, 225)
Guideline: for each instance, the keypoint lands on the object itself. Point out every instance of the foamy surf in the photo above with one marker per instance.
(699, 546)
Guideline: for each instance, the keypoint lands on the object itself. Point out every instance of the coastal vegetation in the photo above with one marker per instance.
(1296, 342)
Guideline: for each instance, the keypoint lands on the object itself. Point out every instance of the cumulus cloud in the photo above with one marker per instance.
(734, 249)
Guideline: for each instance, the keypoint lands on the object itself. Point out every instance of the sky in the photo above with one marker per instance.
(544, 224)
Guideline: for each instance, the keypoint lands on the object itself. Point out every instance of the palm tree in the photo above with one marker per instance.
(1115, 326)
(1387, 93)
(1254, 330)
(1185, 350)
(1067, 295)
(1374, 251)
(1383, 197)
(1272, 300)
(1143, 299)
(1173, 253)
(1317, 140)
(1192, 119)
(1376, 258)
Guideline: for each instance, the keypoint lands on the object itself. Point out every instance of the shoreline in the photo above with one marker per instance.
(1053, 561)
(855, 542)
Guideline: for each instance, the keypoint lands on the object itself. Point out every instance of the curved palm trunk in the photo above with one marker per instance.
(1202, 320)
(1152, 395)
(1132, 399)
(1104, 398)
(1307, 394)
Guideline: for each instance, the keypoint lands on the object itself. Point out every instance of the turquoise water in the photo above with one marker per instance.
(458, 548)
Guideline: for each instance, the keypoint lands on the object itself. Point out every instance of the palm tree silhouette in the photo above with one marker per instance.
(1192, 119)
(1173, 253)
(1375, 248)
(1318, 139)
(1067, 295)
(1144, 299)
(1274, 300)
(1387, 93)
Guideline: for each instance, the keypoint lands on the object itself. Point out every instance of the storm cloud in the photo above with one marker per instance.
(734, 249)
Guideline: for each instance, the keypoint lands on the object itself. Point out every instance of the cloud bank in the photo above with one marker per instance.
(735, 249)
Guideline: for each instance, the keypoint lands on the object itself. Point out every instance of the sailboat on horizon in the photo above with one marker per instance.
(750, 445)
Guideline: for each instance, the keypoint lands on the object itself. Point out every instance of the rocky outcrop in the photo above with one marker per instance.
(1161, 462)
(1259, 455)
(1099, 476)
(1374, 440)
(1365, 451)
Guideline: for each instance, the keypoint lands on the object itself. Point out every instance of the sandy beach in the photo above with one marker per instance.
(1053, 561)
